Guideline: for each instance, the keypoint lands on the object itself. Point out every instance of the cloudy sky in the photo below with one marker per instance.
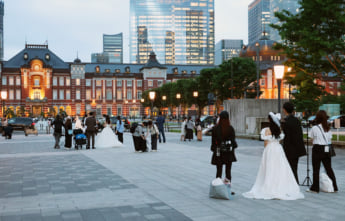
(72, 26)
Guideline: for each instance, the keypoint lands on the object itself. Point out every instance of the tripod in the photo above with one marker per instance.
(307, 181)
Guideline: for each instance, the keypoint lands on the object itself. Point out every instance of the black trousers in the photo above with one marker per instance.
(294, 166)
(120, 137)
(90, 134)
(154, 142)
(136, 141)
(227, 171)
(319, 156)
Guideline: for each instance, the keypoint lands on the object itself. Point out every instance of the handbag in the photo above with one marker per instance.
(220, 190)
(331, 151)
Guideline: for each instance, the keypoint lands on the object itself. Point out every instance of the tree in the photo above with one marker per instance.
(313, 39)
(236, 75)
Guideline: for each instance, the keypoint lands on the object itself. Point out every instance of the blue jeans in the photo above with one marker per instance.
(161, 131)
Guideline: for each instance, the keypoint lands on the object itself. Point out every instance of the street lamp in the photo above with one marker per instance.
(178, 97)
(164, 98)
(152, 96)
(142, 100)
(279, 73)
(3, 97)
(257, 45)
(195, 95)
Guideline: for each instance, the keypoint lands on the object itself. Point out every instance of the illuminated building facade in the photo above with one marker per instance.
(39, 82)
(179, 32)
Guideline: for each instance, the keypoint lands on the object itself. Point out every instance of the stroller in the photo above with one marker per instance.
(79, 138)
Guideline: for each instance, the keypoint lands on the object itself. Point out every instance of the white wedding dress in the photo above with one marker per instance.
(275, 179)
(107, 139)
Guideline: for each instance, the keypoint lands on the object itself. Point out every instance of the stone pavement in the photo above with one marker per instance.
(38, 182)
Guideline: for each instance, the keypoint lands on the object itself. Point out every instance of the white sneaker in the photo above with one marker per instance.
(140, 151)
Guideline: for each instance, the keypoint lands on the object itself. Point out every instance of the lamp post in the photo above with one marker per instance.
(3, 97)
(142, 100)
(195, 95)
(164, 98)
(152, 96)
(178, 97)
(279, 73)
(257, 45)
(289, 70)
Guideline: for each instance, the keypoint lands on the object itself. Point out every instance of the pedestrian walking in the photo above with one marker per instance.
(321, 137)
(189, 127)
(183, 129)
(57, 125)
(68, 133)
(90, 124)
(198, 129)
(154, 131)
(160, 124)
(120, 128)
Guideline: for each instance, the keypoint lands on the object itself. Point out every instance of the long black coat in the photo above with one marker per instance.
(225, 157)
(293, 141)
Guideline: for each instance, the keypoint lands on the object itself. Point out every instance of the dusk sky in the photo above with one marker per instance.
(72, 26)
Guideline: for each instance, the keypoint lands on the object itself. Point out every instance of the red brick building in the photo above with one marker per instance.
(40, 82)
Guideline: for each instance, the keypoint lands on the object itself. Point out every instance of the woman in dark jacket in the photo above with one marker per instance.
(68, 137)
(223, 146)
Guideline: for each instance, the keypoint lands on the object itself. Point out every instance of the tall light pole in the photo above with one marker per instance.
(257, 45)
(195, 95)
(142, 100)
(3, 98)
(164, 98)
(279, 73)
(152, 96)
(178, 97)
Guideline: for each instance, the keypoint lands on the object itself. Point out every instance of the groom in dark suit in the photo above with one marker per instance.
(293, 141)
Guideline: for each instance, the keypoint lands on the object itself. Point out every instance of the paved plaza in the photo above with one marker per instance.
(38, 182)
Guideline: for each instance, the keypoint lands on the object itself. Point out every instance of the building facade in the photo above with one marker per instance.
(227, 49)
(259, 18)
(2, 10)
(178, 32)
(39, 83)
(277, 6)
(112, 50)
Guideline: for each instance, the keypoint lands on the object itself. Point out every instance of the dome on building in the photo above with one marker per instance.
(77, 60)
(265, 45)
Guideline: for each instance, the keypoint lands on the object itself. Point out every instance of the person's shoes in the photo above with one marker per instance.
(311, 191)
(87, 148)
(93, 147)
(154, 150)
(232, 193)
(140, 151)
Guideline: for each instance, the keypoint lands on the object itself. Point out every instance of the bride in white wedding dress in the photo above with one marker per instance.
(275, 179)
(107, 137)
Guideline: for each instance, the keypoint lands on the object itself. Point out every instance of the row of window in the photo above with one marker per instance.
(66, 94)
(11, 94)
(11, 80)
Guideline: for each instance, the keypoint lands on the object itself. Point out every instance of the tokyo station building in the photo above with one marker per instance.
(38, 81)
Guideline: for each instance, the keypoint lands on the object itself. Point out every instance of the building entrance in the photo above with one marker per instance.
(36, 111)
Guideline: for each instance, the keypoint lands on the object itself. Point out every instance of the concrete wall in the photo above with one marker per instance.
(246, 115)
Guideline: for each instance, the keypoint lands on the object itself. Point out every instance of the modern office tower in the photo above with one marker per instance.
(258, 20)
(227, 49)
(1, 30)
(277, 6)
(178, 32)
(112, 50)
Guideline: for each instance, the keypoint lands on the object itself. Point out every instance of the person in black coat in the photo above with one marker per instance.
(293, 143)
(68, 137)
(223, 146)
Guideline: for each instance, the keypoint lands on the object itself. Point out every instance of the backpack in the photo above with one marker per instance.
(133, 127)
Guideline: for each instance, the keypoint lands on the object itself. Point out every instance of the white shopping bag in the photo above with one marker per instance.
(326, 184)
(220, 190)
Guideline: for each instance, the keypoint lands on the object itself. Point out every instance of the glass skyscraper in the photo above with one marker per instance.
(277, 6)
(258, 20)
(178, 31)
(112, 50)
(227, 49)
(1, 30)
